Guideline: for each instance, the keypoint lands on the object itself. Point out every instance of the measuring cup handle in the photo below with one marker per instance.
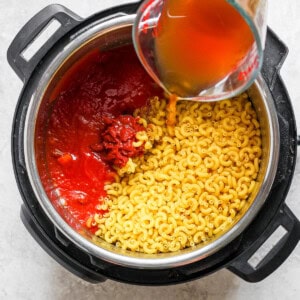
(31, 31)
(277, 255)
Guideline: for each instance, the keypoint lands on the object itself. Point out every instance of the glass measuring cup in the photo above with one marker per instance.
(213, 51)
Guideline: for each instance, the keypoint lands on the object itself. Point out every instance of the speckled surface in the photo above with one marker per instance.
(27, 272)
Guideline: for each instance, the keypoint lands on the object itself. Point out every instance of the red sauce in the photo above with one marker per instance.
(85, 111)
(116, 141)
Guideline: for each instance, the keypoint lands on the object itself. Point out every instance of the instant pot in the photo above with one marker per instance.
(235, 249)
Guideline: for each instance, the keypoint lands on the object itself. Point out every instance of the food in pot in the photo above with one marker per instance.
(127, 177)
(99, 86)
(190, 184)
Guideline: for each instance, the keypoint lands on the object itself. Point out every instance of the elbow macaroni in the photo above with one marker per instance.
(191, 182)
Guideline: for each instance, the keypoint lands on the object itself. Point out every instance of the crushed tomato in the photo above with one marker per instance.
(117, 138)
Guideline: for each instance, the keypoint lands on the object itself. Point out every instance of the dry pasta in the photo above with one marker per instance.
(192, 180)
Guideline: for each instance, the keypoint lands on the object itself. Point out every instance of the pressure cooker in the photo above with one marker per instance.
(234, 250)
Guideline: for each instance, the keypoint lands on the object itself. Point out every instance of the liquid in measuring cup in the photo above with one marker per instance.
(198, 43)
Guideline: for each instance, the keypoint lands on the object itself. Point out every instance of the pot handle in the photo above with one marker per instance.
(277, 255)
(275, 54)
(31, 31)
(57, 252)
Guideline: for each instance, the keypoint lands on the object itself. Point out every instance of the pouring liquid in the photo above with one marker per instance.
(197, 44)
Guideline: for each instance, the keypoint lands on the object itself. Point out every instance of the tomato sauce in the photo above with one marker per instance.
(87, 126)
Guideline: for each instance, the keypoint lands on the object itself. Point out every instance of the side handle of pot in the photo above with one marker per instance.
(56, 251)
(277, 255)
(31, 31)
(275, 54)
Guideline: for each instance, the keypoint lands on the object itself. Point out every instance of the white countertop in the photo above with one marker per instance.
(27, 272)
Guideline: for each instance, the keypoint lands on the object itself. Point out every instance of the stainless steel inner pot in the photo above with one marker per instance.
(114, 32)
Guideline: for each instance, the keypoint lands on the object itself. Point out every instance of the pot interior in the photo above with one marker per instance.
(113, 36)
